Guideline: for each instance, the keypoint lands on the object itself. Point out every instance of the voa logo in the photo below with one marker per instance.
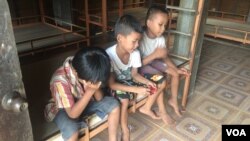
(236, 132)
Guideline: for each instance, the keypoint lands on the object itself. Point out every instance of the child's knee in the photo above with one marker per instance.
(124, 103)
(173, 72)
(162, 85)
(116, 110)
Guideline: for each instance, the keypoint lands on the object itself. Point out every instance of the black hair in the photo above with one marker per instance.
(155, 9)
(127, 24)
(92, 64)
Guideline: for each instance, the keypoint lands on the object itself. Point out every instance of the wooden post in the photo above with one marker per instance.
(104, 15)
(248, 17)
(86, 11)
(13, 126)
(41, 7)
(120, 8)
(192, 49)
(198, 44)
(170, 22)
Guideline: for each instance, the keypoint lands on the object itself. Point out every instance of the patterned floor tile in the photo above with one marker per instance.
(247, 64)
(244, 73)
(242, 118)
(238, 83)
(240, 52)
(218, 138)
(163, 136)
(229, 96)
(193, 99)
(203, 86)
(211, 74)
(220, 49)
(103, 136)
(246, 106)
(232, 59)
(204, 60)
(207, 43)
(222, 66)
(140, 128)
(210, 53)
(158, 122)
(193, 128)
(213, 111)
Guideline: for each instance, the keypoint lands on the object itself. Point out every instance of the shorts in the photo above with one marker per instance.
(155, 67)
(155, 71)
(125, 95)
(69, 126)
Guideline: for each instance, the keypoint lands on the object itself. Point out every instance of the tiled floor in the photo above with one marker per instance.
(222, 96)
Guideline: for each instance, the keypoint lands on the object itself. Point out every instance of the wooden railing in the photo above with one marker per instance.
(23, 20)
(62, 36)
(228, 16)
(52, 21)
(135, 4)
(69, 28)
(216, 33)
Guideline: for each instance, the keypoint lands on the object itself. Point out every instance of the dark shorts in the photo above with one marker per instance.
(69, 126)
(155, 71)
(125, 95)
(155, 67)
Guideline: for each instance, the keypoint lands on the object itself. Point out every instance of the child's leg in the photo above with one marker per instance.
(106, 106)
(174, 89)
(146, 108)
(124, 119)
(113, 121)
(68, 127)
(160, 102)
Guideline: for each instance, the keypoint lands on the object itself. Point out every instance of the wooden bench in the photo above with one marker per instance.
(97, 125)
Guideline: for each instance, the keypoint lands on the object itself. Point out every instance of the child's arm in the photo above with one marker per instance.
(159, 53)
(98, 95)
(169, 62)
(118, 86)
(76, 110)
(139, 78)
(179, 70)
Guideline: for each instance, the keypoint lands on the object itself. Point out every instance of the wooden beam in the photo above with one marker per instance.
(41, 8)
(104, 15)
(120, 8)
(192, 49)
(87, 21)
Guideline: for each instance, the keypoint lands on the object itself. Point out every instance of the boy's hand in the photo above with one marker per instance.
(160, 53)
(91, 88)
(152, 86)
(143, 90)
(184, 72)
(150, 83)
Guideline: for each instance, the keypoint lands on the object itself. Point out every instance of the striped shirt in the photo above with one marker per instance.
(65, 89)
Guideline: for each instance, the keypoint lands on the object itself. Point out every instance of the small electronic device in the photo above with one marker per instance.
(157, 78)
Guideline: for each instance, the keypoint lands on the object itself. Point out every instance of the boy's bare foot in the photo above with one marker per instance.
(183, 110)
(174, 104)
(149, 113)
(167, 119)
